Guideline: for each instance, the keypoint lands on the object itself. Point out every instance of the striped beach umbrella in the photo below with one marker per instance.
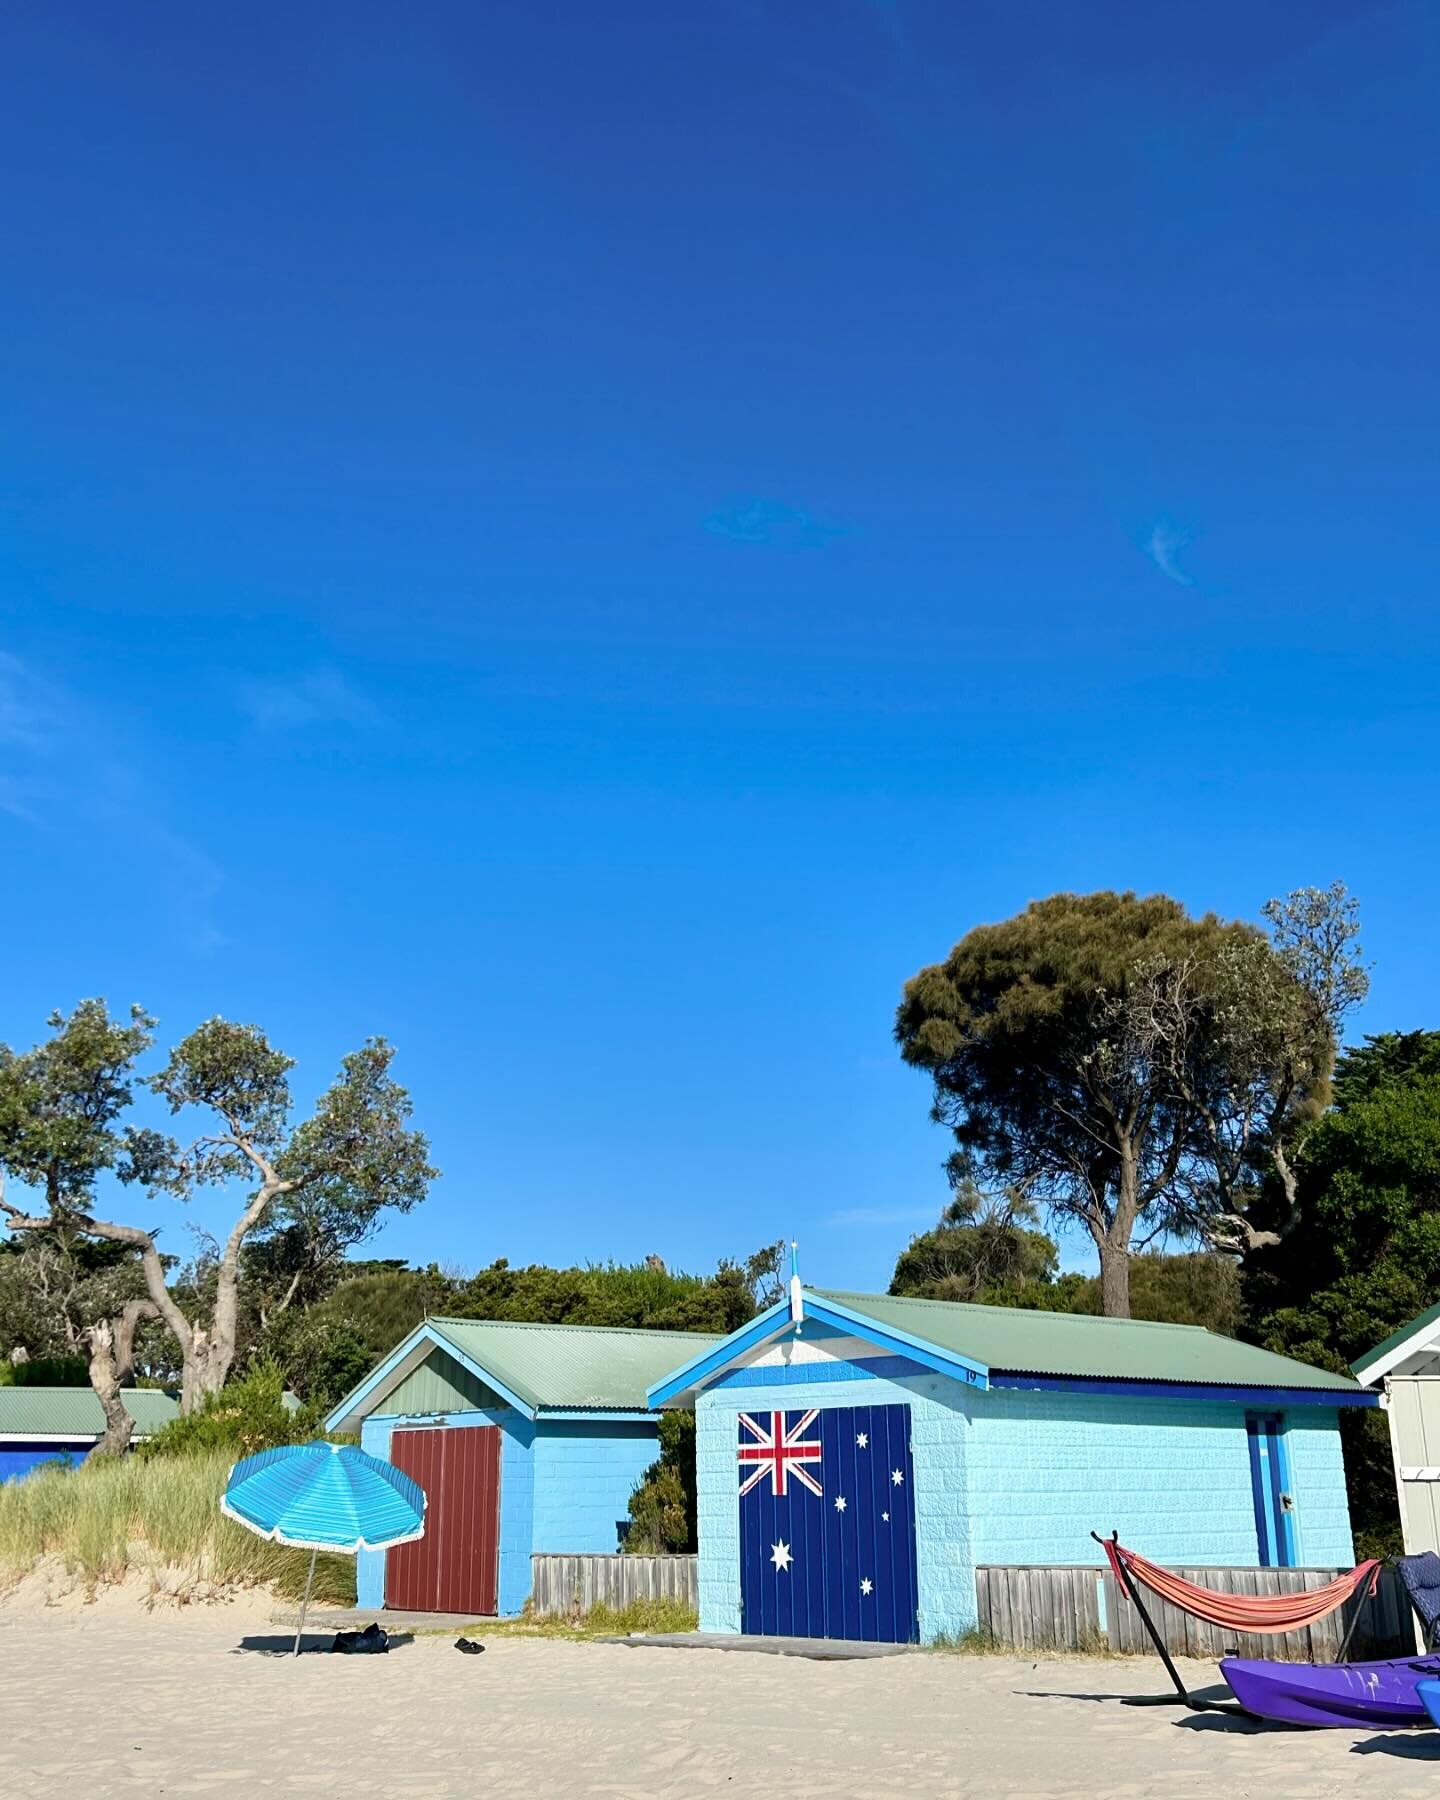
(324, 1497)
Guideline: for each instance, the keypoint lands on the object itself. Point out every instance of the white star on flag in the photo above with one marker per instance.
(885, 1518)
(780, 1555)
(897, 1476)
(839, 1503)
(867, 1586)
(862, 1442)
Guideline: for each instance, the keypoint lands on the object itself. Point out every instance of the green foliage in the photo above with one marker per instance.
(662, 1508)
(617, 1294)
(1364, 1256)
(61, 1103)
(1196, 1288)
(328, 1347)
(46, 1371)
(1039, 1044)
(245, 1416)
(1132, 1068)
(128, 1516)
(979, 1251)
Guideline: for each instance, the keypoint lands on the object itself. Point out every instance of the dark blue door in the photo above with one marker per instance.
(1269, 1486)
(827, 1524)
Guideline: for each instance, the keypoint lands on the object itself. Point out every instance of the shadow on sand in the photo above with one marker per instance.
(1241, 1725)
(282, 1643)
(1408, 1746)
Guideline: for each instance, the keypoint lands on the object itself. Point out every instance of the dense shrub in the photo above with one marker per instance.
(662, 1508)
(245, 1416)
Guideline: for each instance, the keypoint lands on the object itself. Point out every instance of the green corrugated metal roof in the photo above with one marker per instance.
(1081, 1344)
(572, 1365)
(75, 1412)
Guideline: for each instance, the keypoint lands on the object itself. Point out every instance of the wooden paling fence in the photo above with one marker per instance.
(1035, 1607)
(570, 1584)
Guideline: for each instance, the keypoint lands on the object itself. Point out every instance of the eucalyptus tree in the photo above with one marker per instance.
(62, 1128)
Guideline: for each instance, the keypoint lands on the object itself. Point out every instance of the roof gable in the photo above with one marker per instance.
(1420, 1340)
(536, 1369)
(995, 1345)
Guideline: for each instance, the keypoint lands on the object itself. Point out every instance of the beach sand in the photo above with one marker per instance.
(110, 1699)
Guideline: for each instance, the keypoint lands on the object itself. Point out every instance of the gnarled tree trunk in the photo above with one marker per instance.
(111, 1347)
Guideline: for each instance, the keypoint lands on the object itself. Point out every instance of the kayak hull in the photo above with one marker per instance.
(1380, 1696)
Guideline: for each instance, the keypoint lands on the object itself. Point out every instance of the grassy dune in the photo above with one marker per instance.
(132, 1516)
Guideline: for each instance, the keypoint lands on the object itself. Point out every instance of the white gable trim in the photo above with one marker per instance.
(1423, 1342)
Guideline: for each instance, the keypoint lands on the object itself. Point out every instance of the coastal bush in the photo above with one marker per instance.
(159, 1518)
(245, 1416)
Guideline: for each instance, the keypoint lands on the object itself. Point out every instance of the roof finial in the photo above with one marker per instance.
(797, 1302)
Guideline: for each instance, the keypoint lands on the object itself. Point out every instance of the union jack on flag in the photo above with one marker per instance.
(779, 1453)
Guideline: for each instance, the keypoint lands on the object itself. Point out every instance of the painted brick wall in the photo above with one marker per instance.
(584, 1476)
(1317, 1472)
(1172, 1476)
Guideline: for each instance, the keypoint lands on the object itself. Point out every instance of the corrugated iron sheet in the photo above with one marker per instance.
(579, 1366)
(76, 1413)
(1081, 1344)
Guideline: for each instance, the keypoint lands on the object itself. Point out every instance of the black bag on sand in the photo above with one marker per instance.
(372, 1641)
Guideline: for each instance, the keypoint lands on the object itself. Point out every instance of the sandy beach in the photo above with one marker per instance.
(110, 1699)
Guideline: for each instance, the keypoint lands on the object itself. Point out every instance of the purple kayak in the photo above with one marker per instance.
(1377, 1695)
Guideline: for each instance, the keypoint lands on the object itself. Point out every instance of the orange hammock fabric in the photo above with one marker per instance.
(1241, 1612)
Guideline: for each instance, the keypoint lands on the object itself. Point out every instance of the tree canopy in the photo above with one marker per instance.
(1364, 1256)
(325, 1180)
(1132, 1068)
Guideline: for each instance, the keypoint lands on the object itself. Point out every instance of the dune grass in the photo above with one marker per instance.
(151, 1517)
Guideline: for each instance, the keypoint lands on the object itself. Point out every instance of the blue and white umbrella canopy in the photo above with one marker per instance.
(325, 1497)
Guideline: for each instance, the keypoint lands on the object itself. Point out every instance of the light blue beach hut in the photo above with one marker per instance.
(860, 1456)
(524, 1437)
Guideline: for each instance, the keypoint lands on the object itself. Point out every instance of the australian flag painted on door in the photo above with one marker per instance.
(827, 1524)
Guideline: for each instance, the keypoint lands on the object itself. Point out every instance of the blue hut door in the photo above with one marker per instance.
(1269, 1486)
(827, 1524)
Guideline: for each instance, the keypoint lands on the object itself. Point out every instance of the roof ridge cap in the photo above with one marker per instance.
(657, 1331)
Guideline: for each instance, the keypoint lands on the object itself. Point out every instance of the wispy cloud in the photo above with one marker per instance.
(854, 1216)
(755, 520)
(68, 768)
(27, 706)
(320, 697)
(1164, 545)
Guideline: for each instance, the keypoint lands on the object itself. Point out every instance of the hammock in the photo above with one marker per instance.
(1240, 1612)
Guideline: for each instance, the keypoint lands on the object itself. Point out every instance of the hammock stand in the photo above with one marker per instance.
(1272, 1613)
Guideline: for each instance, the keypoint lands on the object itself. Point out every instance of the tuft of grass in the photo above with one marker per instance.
(977, 1641)
(642, 1615)
(601, 1621)
(129, 1515)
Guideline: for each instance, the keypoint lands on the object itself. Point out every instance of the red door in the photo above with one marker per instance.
(453, 1567)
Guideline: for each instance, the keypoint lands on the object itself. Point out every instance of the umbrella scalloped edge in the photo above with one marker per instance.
(278, 1536)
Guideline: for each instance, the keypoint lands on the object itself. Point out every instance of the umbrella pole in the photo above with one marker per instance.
(304, 1604)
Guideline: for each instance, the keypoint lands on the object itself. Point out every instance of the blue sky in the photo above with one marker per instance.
(593, 541)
